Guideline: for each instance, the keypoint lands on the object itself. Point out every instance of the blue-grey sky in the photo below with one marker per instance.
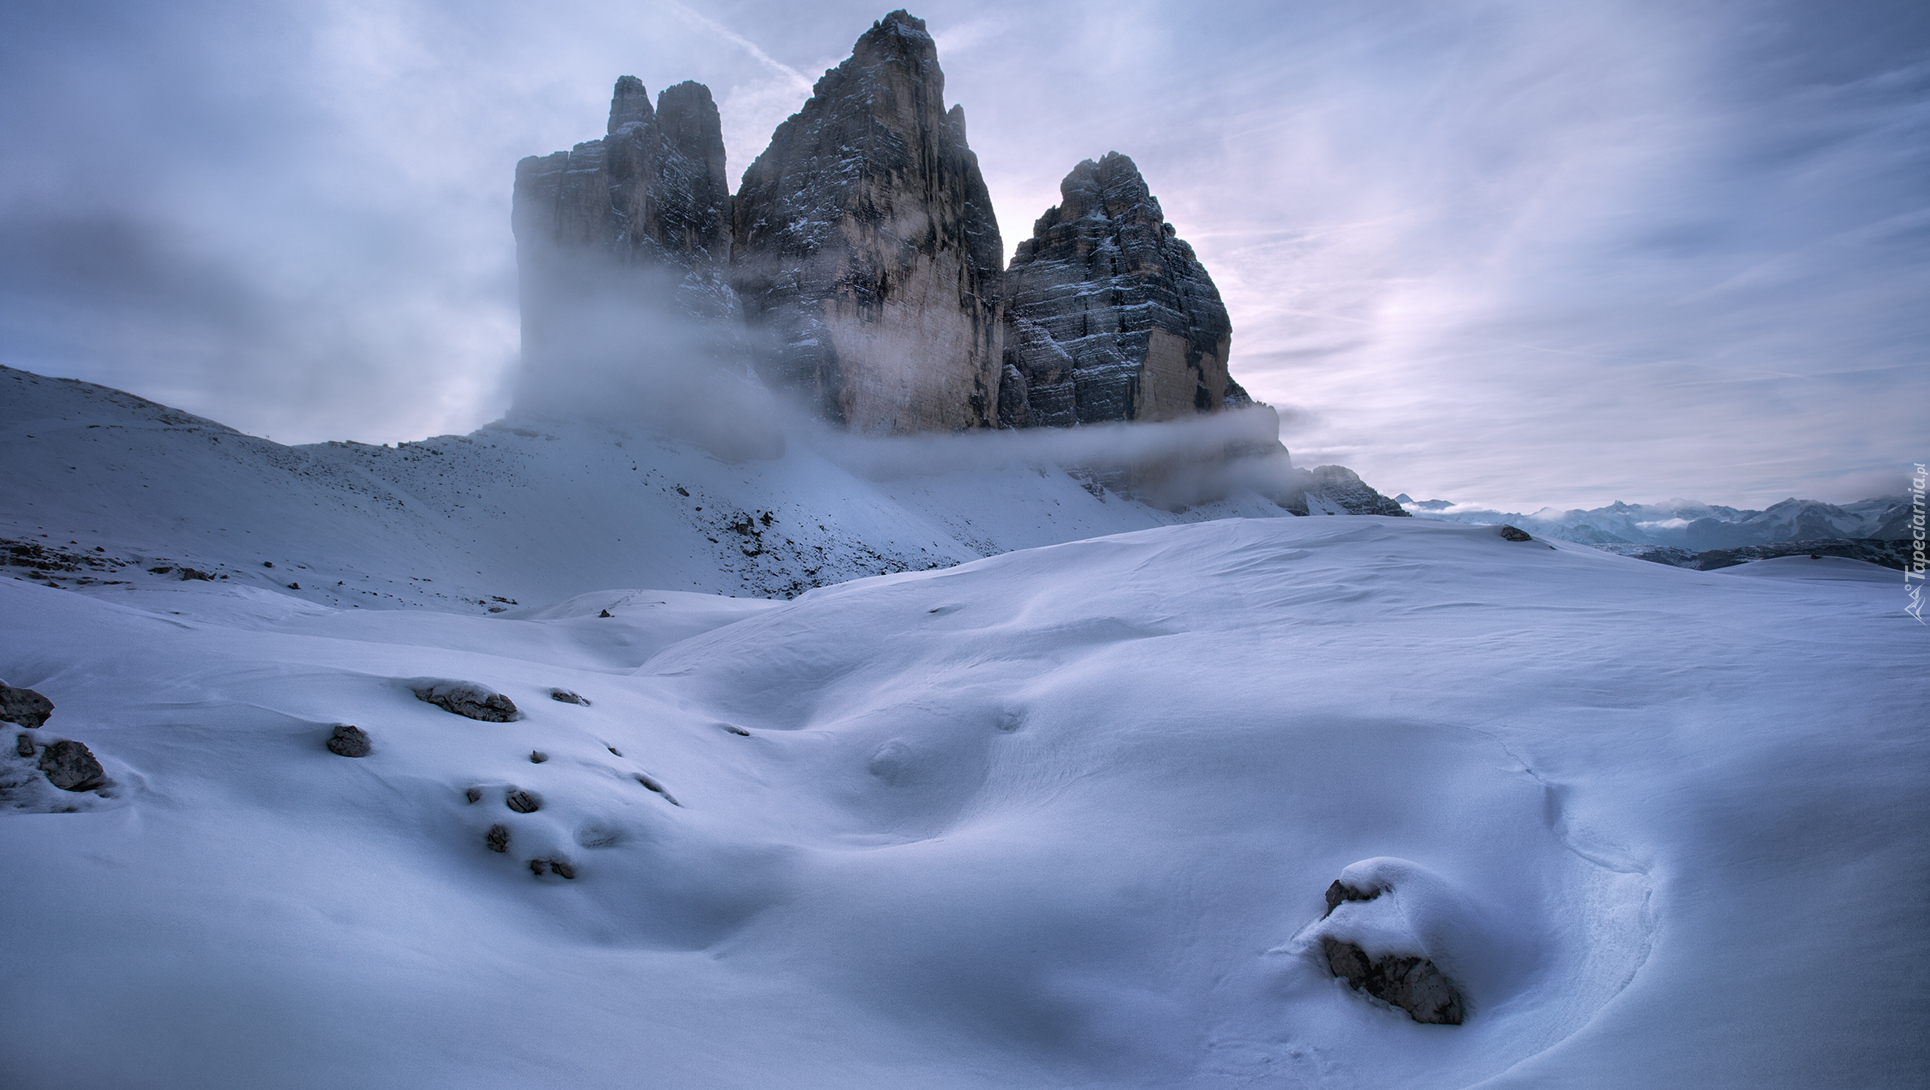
(1499, 251)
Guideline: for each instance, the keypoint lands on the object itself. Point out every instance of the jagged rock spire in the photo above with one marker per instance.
(1112, 317)
(866, 248)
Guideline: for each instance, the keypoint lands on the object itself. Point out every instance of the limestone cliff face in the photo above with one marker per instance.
(866, 250)
(641, 214)
(1111, 316)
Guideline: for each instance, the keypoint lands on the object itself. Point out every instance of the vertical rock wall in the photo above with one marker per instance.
(642, 213)
(1111, 316)
(866, 250)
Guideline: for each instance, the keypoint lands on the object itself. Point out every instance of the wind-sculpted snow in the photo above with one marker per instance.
(1060, 817)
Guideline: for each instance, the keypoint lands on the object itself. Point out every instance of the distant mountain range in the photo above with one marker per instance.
(1691, 525)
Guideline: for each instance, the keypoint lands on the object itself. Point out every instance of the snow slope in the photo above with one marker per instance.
(1061, 817)
(512, 513)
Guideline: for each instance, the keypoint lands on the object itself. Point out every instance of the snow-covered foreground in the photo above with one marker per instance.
(1061, 817)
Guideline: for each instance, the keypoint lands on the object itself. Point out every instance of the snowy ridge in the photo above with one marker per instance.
(510, 514)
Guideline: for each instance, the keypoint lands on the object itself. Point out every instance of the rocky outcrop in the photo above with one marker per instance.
(24, 706)
(468, 699)
(640, 217)
(71, 766)
(866, 250)
(1414, 984)
(1333, 490)
(1111, 316)
(347, 741)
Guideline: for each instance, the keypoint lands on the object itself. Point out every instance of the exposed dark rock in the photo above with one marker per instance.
(1510, 533)
(1340, 892)
(468, 699)
(658, 788)
(567, 697)
(474, 794)
(70, 766)
(1413, 984)
(866, 247)
(1334, 490)
(522, 801)
(23, 744)
(497, 839)
(537, 756)
(603, 613)
(349, 741)
(24, 706)
(539, 866)
(562, 868)
(1111, 316)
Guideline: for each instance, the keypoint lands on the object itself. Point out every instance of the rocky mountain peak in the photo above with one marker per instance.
(630, 104)
(1112, 315)
(866, 248)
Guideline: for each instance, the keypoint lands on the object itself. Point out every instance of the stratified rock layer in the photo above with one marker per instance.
(866, 248)
(1111, 315)
(650, 200)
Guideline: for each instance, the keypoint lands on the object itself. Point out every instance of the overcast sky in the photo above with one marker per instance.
(1503, 251)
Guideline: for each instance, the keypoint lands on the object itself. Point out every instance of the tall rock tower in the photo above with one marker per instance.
(1111, 316)
(639, 218)
(866, 250)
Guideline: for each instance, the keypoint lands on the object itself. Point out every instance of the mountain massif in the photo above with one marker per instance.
(864, 261)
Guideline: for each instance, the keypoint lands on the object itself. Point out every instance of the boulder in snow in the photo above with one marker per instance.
(468, 699)
(70, 766)
(24, 706)
(522, 801)
(497, 838)
(1413, 984)
(349, 741)
(1510, 533)
(567, 697)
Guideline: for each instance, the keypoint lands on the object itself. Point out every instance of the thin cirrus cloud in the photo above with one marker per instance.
(1498, 251)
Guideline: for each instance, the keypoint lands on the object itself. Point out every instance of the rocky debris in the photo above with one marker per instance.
(562, 868)
(539, 866)
(658, 788)
(866, 248)
(23, 744)
(24, 707)
(1334, 490)
(70, 766)
(567, 697)
(1341, 892)
(44, 561)
(497, 838)
(1898, 555)
(604, 613)
(537, 756)
(349, 741)
(1111, 315)
(521, 801)
(1413, 984)
(1511, 533)
(468, 699)
(474, 795)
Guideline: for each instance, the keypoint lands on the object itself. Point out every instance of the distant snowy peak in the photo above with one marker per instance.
(1691, 524)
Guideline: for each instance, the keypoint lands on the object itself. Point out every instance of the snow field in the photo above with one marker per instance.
(1060, 817)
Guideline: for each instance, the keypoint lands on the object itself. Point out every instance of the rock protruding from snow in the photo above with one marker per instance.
(867, 250)
(1112, 317)
(1512, 533)
(71, 766)
(23, 744)
(497, 838)
(466, 698)
(1413, 984)
(349, 741)
(24, 707)
(1334, 490)
(521, 801)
